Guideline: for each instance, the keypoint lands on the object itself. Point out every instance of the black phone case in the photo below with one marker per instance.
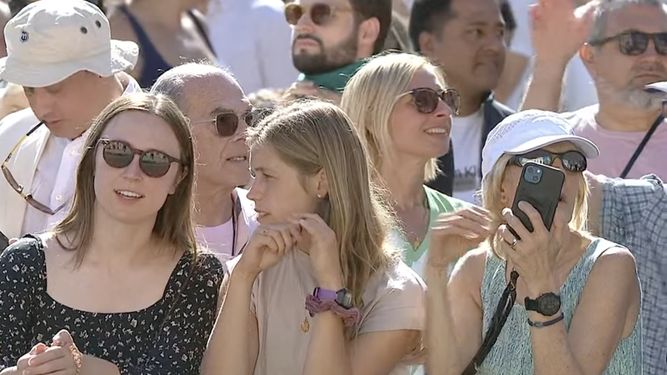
(4, 242)
(543, 195)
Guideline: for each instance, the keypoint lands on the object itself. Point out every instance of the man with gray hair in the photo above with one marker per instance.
(623, 44)
(219, 113)
(625, 51)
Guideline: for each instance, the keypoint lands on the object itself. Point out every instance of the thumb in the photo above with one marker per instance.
(63, 338)
(11, 241)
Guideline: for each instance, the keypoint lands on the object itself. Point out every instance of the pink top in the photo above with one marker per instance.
(219, 239)
(616, 147)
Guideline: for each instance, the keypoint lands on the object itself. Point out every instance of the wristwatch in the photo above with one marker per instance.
(342, 297)
(547, 304)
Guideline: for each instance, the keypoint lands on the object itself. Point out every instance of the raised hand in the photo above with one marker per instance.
(455, 233)
(559, 28)
(267, 245)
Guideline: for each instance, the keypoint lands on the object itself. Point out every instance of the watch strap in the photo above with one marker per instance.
(325, 294)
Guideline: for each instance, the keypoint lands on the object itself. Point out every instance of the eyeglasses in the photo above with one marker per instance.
(119, 154)
(633, 43)
(426, 99)
(573, 161)
(20, 189)
(320, 13)
(227, 123)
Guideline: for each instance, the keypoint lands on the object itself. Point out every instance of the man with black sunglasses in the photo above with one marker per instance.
(219, 113)
(331, 39)
(624, 47)
(61, 53)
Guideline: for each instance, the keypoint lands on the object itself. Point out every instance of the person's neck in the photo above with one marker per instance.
(116, 244)
(570, 250)
(624, 117)
(164, 13)
(471, 101)
(214, 204)
(405, 181)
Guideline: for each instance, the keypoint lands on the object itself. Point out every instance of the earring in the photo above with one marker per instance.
(319, 196)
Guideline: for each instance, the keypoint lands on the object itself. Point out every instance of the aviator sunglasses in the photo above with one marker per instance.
(320, 13)
(633, 43)
(426, 99)
(573, 161)
(227, 123)
(119, 154)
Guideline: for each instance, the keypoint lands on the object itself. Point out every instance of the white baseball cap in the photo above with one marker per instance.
(49, 40)
(528, 131)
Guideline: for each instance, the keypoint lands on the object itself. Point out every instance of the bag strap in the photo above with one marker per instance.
(641, 146)
(499, 319)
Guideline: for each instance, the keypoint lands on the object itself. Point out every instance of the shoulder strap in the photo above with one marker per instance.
(641, 146)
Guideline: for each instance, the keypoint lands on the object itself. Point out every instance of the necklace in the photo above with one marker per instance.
(408, 232)
(305, 324)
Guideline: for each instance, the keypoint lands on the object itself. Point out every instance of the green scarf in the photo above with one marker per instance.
(334, 80)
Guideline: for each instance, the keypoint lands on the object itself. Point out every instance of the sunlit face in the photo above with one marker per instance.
(112, 185)
(222, 162)
(318, 49)
(471, 46)
(68, 107)
(420, 135)
(623, 77)
(278, 190)
(569, 192)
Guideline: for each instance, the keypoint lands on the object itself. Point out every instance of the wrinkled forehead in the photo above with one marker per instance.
(637, 17)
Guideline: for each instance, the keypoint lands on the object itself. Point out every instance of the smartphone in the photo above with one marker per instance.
(4, 242)
(541, 186)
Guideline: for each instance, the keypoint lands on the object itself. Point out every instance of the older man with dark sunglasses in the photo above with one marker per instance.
(219, 113)
(61, 52)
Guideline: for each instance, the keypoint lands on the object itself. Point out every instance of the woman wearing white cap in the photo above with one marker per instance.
(574, 308)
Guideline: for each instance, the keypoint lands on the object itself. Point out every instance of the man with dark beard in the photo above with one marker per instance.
(331, 39)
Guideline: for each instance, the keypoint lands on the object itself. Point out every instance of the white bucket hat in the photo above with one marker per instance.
(528, 131)
(49, 40)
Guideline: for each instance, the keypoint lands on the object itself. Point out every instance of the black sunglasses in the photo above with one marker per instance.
(633, 43)
(426, 99)
(573, 161)
(119, 154)
(320, 13)
(227, 123)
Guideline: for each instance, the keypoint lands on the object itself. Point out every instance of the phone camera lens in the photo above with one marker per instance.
(536, 179)
(530, 170)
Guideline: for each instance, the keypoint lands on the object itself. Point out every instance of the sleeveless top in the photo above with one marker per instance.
(154, 64)
(513, 352)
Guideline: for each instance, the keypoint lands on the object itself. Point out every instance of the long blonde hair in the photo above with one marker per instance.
(370, 96)
(173, 225)
(314, 136)
(491, 200)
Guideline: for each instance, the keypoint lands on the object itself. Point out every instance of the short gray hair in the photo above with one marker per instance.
(172, 82)
(606, 7)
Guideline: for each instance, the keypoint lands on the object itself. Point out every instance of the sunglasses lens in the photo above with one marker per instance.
(154, 163)
(293, 13)
(539, 157)
(633, 43)
(320, 14)
(226, 124)
(660, 41)
(452, 99)
(426, 101)
(117, 154)
(574, 161)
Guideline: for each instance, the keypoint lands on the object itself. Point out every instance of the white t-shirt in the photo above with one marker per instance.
(467, 138)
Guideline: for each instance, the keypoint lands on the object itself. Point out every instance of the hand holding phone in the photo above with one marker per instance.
(541, 186)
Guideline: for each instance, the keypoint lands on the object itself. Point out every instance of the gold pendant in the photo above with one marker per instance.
(305, 325)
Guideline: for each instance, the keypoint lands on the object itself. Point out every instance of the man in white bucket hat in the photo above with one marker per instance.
(62, 54)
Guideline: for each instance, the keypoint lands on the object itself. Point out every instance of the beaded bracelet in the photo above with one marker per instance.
(547, 323)
(77, 357)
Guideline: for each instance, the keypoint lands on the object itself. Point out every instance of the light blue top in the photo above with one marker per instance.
(513, 353)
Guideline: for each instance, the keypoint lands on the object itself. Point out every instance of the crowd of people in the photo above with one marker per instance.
(270, 187)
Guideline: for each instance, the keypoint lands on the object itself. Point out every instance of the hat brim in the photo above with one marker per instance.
(588, 148)
(122, 56)
(658, 86)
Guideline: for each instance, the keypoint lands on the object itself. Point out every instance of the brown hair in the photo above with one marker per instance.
(173, 225)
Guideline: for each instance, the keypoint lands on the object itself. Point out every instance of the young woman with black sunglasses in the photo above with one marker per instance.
(548, 301)
(118, 286)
